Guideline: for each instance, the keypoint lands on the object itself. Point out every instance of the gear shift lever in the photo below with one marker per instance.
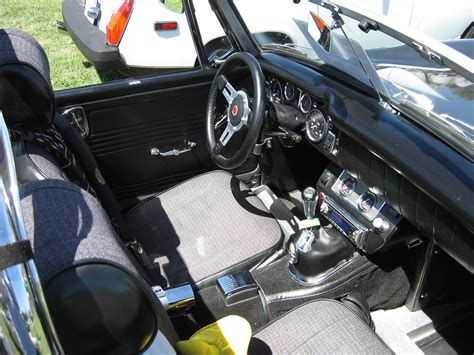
(305, 238)
(315, 250)
(310, 200)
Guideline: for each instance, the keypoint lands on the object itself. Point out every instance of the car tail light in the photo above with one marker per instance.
(166, 26)
(118, 22)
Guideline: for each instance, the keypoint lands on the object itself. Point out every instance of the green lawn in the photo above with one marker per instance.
(69, 68)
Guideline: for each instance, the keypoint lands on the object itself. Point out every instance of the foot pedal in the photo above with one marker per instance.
(237, 287)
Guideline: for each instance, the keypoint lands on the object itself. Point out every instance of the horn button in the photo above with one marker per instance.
(239, 110)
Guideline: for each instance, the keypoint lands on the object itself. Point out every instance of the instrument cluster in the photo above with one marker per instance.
(287, 93)
(318, 127)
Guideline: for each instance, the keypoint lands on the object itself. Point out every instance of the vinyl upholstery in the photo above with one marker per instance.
(34, 163)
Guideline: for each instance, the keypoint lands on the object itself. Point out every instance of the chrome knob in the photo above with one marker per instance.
(310, 200)
(380, 225)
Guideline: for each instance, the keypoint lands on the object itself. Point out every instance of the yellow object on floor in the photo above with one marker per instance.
(228, 336)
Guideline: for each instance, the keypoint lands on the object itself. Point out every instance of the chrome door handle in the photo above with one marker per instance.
(174, 151)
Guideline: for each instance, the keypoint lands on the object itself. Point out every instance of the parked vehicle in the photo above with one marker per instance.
(149, 34)
(340, 220)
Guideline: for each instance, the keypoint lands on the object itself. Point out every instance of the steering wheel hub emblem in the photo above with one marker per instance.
(235, 110)
(238, 110)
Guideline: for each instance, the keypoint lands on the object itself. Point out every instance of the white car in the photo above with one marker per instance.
(144, 34)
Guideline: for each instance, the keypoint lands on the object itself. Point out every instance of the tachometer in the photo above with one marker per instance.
(305, 103)
(289, 92)
(316, 126)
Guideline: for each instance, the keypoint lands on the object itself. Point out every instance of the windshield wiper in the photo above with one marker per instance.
(287, 47)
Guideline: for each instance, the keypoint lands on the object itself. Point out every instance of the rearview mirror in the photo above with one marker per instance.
(321, 32)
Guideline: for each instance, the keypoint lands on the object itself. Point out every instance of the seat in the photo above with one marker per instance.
(318, 327)
(205, 227)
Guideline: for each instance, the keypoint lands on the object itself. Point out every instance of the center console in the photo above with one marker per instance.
(358, 212)
(346, 221)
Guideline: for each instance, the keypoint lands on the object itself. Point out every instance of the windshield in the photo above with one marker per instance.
(417, 84)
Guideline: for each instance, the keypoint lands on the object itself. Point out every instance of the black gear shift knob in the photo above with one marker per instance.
(310, 200)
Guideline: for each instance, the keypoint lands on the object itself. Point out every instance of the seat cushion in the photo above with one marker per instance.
(204, 227)
(318, 327)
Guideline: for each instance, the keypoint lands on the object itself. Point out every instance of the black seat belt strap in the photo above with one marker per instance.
(15, 253)
(87, 161)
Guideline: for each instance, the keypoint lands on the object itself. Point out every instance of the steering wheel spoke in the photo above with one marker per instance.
(227, 134)
(220, 121)
(226, 88)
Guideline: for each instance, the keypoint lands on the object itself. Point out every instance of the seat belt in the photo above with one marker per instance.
(87, 161)
(15, 253)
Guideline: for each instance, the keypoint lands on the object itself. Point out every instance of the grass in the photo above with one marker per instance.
(69, 68)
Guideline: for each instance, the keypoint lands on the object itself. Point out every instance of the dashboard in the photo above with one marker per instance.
(379, 148)
(354, 209)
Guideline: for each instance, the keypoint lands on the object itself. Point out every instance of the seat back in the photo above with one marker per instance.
(98, 300)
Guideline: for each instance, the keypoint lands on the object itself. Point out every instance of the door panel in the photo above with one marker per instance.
(127, 119)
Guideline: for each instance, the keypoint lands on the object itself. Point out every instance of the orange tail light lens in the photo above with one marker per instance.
(118, 22)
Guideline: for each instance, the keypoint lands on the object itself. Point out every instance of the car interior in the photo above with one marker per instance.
(263, 188)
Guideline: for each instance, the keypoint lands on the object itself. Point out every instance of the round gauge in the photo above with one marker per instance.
(348, 186)
(305, 103)
(275, 91)
(289, 92)
(367, 201)
(316, 126)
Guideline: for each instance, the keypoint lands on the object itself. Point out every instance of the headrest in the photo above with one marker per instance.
(26, 93)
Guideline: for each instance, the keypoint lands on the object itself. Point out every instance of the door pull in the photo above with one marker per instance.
(188, 145)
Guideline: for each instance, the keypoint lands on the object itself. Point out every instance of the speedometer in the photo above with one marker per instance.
(316, 126)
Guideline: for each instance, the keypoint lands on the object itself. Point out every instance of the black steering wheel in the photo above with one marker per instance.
(242, 111)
